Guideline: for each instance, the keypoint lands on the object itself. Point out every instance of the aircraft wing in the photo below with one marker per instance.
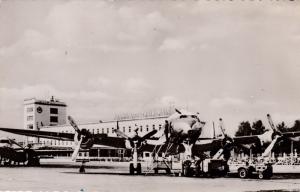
(291, 134)
(40, 134)
(116, 142)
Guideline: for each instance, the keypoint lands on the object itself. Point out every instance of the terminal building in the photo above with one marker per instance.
(52, 116)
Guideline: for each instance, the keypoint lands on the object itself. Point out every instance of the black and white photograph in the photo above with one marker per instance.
(142, 96)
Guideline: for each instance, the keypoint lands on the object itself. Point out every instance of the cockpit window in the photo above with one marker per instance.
(183, 116)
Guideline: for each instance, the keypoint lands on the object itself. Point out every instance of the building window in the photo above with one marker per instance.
(102, 130)
(53, 111)
(147, 129)
(29, 109)
(53, 119)
(124, 129)
(29, 118)
(98, 131)
(141, 128)
(107, 130)
(129, 130)
(30, 126)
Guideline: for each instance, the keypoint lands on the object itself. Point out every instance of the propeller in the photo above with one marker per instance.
(81, 136)
(73, 124)
(178, 111)
(136, 139)
(76, 150)
(227, 141)
(275, 136)
(14, 142)
(275, 129)
(268, 150)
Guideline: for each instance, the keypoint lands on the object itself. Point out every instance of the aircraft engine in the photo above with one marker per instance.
(266, 137)
(136, 141)
(83, 138)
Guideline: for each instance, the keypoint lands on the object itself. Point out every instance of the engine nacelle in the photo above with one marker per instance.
(128, 144)
(87, 142)
(267, 137)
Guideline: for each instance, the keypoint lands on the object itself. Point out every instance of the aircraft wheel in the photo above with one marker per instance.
(242, 173)
(168, 171)
(82, 169)
(186, 172)
(131, 169)
(139, 169)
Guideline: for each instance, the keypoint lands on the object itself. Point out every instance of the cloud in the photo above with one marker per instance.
(135, 85)
(99, 82)
(172, 44)
(227, 101)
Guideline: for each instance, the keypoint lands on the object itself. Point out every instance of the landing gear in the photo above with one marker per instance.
(139, 169)
(82, 169)
(132, 169)
(135, 166)
(186, 169)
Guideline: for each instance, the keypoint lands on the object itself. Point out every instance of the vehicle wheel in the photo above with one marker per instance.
(131, 169)
(242, 173)
(186, 171)
(261, 175)
(139, 169)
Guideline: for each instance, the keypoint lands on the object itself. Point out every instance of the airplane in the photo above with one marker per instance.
(12, 152)
(181, 134)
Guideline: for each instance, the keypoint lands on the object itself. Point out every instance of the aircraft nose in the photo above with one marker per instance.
(182, 127)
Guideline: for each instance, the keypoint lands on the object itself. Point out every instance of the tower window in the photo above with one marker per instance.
(53, 119)
(53, 111)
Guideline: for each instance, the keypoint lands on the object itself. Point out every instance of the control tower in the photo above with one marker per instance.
(39, 113)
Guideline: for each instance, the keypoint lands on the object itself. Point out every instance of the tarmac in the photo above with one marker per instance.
(114, 177)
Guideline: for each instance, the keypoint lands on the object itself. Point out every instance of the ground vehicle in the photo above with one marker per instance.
(208, 167)
(246, 169)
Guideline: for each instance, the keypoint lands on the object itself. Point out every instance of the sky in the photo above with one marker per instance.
(238, 60)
